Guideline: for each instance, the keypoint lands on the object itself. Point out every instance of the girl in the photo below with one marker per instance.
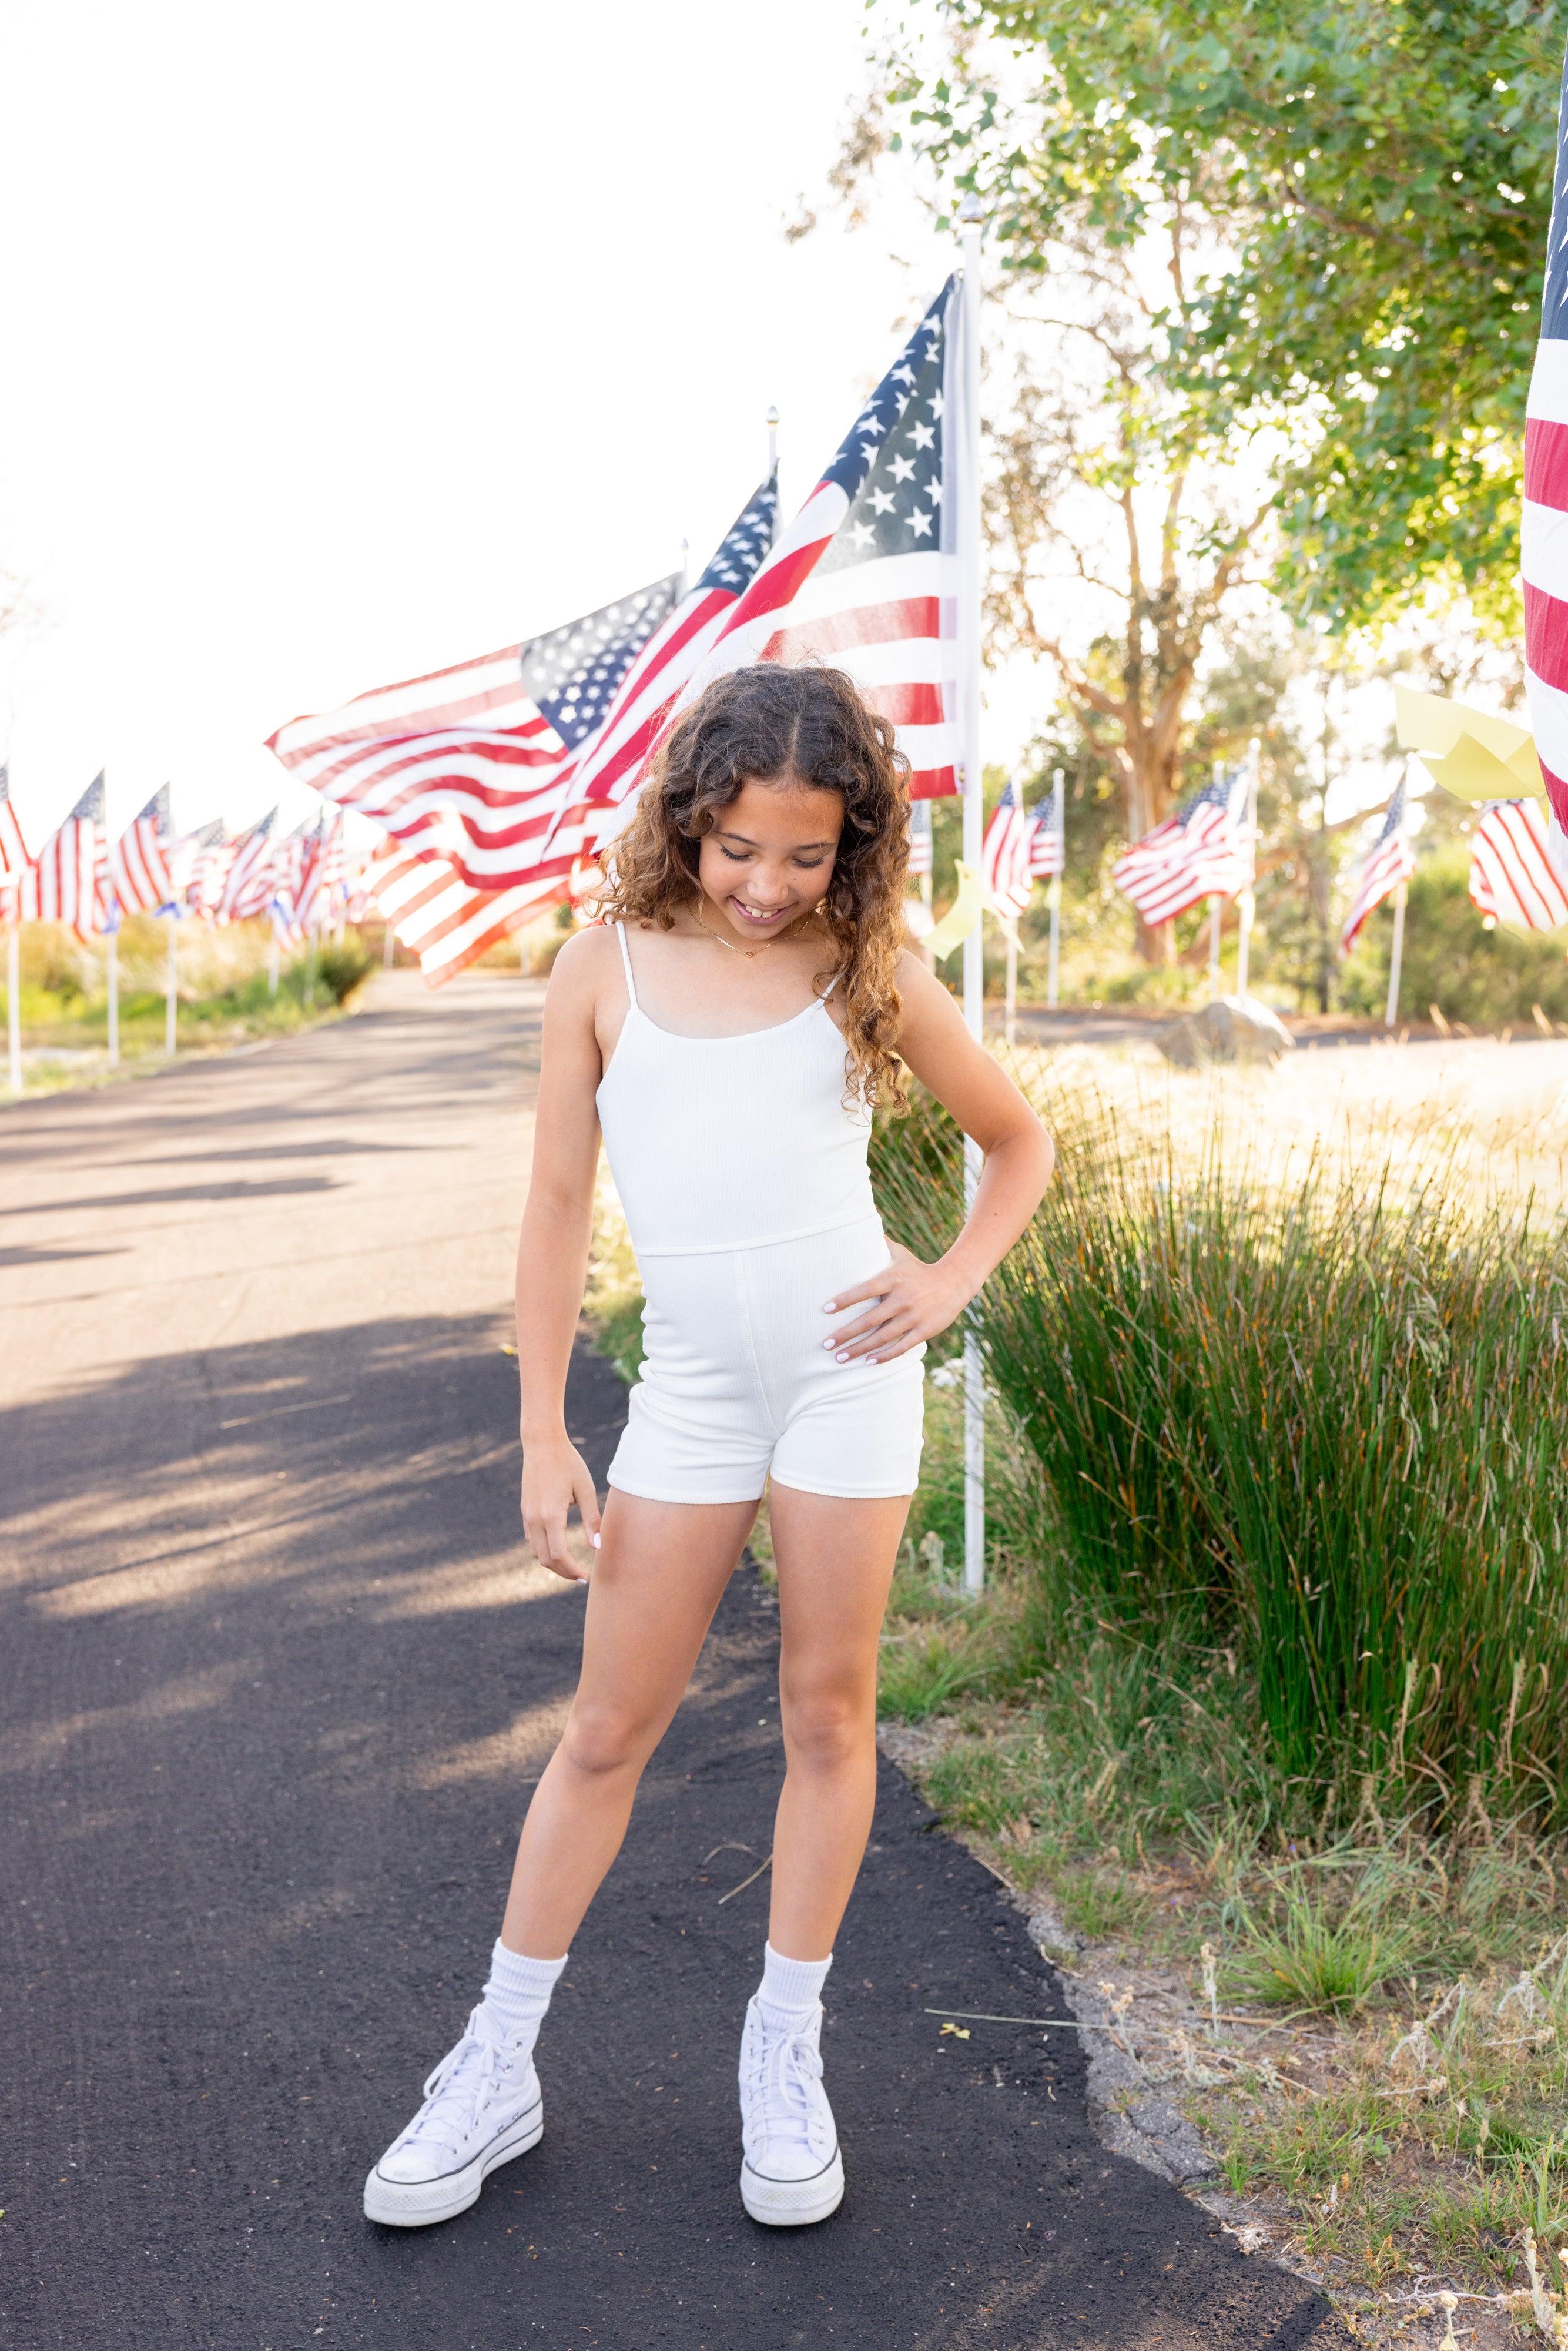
(728, 1031)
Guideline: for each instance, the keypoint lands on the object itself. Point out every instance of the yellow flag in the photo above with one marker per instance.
(973, 901)
(1471, 754)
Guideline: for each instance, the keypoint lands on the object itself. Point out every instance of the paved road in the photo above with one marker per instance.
(274, 1673)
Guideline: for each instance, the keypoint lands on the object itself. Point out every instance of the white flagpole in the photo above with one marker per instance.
(272, 958)
(1060, 789)
(13, 995)
(112, 974)
(971, 213)
(1396, 957)
(171, 986)
(1244, 940)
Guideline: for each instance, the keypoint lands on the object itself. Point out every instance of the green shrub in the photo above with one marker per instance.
(1322, 1423)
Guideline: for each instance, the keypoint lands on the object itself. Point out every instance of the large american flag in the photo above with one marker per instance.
(13, 858)
(139, 868)
(866, 575)
(64, 884)
(250, 881)
(445, 919)
(1005, 853)
(1046, 858)
(1196, 853)
(1513, 877)
(1544, 525)
(471, 763)
(1388, 861)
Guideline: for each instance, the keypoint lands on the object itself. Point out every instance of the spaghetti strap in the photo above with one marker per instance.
(626, 959)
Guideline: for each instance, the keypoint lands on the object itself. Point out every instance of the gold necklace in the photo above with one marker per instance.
(734, 945)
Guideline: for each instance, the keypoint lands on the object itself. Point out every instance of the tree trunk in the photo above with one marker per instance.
(1149, 802)
(1156, 941)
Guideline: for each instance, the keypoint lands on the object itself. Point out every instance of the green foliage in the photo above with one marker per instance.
(340, 969)
(1321, 1422)
(1311, 1959)
(1482, 978)
(1364, 193)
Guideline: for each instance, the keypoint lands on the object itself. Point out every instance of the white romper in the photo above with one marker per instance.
(744, 1180)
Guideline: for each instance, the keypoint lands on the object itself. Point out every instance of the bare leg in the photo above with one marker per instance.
(835, 1561)
(659, 1576)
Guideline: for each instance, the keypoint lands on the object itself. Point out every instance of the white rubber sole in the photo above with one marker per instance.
(401, 2204)
(793, 2203)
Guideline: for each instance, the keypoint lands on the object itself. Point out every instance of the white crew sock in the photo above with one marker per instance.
(516, 1998)
(790, 1988)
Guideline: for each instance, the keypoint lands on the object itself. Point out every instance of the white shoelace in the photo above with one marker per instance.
(457, 2092)
(789, 2067)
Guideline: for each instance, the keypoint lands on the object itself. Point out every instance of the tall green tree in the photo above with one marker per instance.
(1370, 183)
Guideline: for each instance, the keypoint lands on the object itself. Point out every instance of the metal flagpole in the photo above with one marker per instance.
(172, 985)
(971, 213)
(13, 995)
(1059, 788)
(1213, 948)
(1010, 1007)
(112, 974)
(272, 958)
(1396, 957)
(1247, 901)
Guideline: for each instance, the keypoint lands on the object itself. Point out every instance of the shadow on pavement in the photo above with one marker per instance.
(275, 1673)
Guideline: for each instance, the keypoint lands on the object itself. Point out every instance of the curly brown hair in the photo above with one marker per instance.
(769, 724)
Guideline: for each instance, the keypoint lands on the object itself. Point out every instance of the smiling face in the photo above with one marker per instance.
(770, 856)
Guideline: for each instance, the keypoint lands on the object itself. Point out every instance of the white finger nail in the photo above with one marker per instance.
(831, 1307)
(595, 1540)
(870, 1359)
(843, 1359)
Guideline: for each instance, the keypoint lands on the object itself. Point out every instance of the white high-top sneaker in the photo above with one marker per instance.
(481, 2107)
(793, 2172)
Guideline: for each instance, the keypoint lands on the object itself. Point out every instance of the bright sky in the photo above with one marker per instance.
(343, 341)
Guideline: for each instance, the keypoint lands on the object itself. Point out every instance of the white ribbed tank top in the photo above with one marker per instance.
(730, 1143)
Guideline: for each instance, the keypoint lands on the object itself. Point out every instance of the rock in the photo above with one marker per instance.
(1232, 1028)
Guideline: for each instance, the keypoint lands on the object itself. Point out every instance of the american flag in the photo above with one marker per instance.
(64, 884)
(1045, 842)
(13, 858)
(299, 878)
(199, 863)
(919, 839)
(139, 868)
(1195, 854)
(466, 764)
(866, 575)
(1544, 526)
(1388, 861)
(612, 759)
(612, 729)
(249, 883)
(439, 919)
(1513, 877)
(1005, 853)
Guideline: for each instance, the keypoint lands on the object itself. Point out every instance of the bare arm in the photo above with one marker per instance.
(918, 1301)
(552, 1257)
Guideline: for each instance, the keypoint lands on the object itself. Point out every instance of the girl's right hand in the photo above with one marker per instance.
(555, 1475)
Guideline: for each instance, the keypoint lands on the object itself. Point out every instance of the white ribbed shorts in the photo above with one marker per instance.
(737, 1386)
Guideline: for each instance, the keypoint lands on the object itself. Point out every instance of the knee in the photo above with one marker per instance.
(601, 1740)
(827, 1727)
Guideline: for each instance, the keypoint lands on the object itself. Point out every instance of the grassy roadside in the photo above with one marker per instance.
(225, 1000)
(1262, 1711)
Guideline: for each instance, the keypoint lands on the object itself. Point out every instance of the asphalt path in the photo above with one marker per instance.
(276, 1674)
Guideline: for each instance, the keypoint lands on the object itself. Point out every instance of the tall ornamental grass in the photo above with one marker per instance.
(1315, 1415)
